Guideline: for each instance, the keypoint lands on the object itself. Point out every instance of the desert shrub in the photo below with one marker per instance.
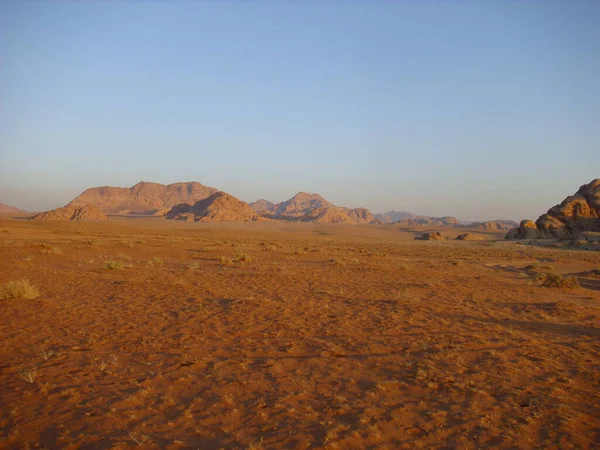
(18, 289)
(560, 281)
(156, 260)
(242, 258)
(540, 276)
(532, 266)
(114, 265)
(224, 261)
(47, 248)
(194, 265)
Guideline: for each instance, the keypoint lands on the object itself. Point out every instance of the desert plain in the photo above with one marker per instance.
(161, 334)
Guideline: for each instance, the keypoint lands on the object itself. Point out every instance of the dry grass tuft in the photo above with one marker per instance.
(28, 375)
(18, 289)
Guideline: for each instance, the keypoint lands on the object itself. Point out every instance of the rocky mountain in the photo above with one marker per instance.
(577, 213)
(85, 212)
(305, 207)
(262, 205)
(300, 205)
(327, 214)
(395, 216)
(437, 221)
(361, 215)
(9, 209)
(495, 225)
(219, 206)
(143, 198)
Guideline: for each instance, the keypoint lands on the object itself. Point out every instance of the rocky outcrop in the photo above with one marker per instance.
(143, 198)
(431, 236)
(468, 237)
(577, 213)
(525, 230)
(85, 212)
(218, 207)
(495, 225)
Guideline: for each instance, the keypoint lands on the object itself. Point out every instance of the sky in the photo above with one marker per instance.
(480, 110)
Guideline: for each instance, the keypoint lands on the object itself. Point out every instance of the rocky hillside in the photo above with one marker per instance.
(361, 215)
(577, 213)
(143, 198)
(220, 206)
(9, 209)
(85, 212)
(305, 207)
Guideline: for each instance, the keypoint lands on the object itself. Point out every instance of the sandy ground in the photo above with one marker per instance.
(347, 337)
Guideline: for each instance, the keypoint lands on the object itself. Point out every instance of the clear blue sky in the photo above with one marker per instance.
(475, 109)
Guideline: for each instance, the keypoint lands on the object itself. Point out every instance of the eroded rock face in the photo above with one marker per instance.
(577, 213)
(526, 230)
(85, 212)
(220, 206)
(431, 236)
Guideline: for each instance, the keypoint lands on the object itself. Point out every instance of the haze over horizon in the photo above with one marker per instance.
(482, 111)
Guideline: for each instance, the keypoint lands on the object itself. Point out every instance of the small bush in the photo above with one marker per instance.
(114, 265)
(560, 281)
(532, 266)
(18, 289)
(194, 266)
(242, 258)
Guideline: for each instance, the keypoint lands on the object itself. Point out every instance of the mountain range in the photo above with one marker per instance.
(194, 201)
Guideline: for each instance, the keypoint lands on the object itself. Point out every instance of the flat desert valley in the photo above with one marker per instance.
(161, 334)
